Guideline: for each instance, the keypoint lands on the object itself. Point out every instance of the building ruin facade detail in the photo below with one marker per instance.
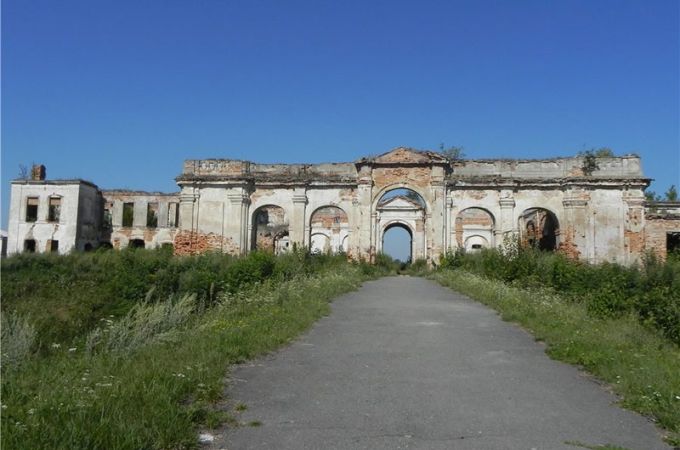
(235, 207)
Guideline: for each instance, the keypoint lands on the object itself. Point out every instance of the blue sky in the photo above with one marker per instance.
(120, 92)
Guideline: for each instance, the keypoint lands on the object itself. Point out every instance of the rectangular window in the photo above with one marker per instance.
(29, 245)
(54, 246)
(173, 215)
(152, 215)
(106, 224)
(128, 214)
(54, 209)
(32, 209)
(673, 242)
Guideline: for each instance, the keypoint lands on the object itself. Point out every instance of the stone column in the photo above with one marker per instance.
(297, 220)
(188, 209)
(236, 223)
(573, 239)
(364, 238)
(507, 226)
(633, 231)
(436, 222)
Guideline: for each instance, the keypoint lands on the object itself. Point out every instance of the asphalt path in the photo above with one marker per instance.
(406, 363)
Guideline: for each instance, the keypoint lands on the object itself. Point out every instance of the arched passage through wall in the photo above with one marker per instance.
(270, 229)
(328, 230)
(539, 228)
(397, 242)
(475, 229)
(401, 207)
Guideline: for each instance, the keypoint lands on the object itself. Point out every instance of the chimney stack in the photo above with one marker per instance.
(38, 172)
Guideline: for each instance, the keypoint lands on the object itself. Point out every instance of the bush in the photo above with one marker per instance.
(609, 290)
(18, 338)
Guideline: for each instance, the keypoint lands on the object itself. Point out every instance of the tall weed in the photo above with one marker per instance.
(18, 340)
(652, 291)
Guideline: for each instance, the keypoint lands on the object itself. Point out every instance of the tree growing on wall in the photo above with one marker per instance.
(453, 153)
(671, 195)
(590, 157)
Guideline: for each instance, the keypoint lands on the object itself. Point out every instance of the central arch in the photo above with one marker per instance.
(402, 207)
(402, 226)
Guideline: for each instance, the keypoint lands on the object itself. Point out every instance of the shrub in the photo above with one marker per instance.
(18, 338)
(609, 290)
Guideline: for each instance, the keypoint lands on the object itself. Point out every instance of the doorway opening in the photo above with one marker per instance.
(397, 242)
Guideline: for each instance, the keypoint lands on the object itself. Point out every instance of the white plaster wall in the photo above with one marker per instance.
(65, 231)
(607, 225)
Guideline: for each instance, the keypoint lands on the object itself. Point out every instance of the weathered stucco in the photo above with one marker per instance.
(467, 204)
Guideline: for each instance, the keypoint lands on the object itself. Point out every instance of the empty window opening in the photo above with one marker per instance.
(54, 246)
(136, 243)
(31, 209)
(128, 214)
(88, 247)
(173, 215)
(539, 229)
(477, 246)
(270, 230)
(29, 245)
(108, 221)
(54, 210)
(673, 242)
(152, 215)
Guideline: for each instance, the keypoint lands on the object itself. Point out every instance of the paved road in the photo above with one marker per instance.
(405, 363)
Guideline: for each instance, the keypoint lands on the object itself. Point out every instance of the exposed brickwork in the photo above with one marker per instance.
(414, 176)
(567, 245)
(471, 217)
(193, 243)
(656, 230)
(330, 217)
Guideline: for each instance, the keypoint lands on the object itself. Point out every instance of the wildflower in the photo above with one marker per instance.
(55, 345)
(72, 349)
(31, 411)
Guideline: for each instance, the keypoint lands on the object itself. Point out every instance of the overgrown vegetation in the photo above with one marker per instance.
(141, 364)
(650, 292)
(622, 324)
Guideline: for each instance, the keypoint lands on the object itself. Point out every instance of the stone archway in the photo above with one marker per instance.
(539, 228)
(402, 226)
(270, 229)
(328, 230)
(407, 210)
(475, 229)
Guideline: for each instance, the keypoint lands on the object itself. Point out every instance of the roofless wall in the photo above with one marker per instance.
(594, 212)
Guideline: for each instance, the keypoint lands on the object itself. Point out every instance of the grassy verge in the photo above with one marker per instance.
(151, 378)
(642, 366)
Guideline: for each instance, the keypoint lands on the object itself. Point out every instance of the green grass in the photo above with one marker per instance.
(641, 365)
(152, 387)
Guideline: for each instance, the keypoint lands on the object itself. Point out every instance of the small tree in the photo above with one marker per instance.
(453, 153)
(590, 164)
(652, 196)
(672, 194)
(604, 152)
(23, 172)
(590, 158)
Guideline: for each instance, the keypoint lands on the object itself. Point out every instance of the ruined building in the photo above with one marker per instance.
(591, 213)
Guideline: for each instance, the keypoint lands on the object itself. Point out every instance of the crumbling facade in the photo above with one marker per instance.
(235, 207)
